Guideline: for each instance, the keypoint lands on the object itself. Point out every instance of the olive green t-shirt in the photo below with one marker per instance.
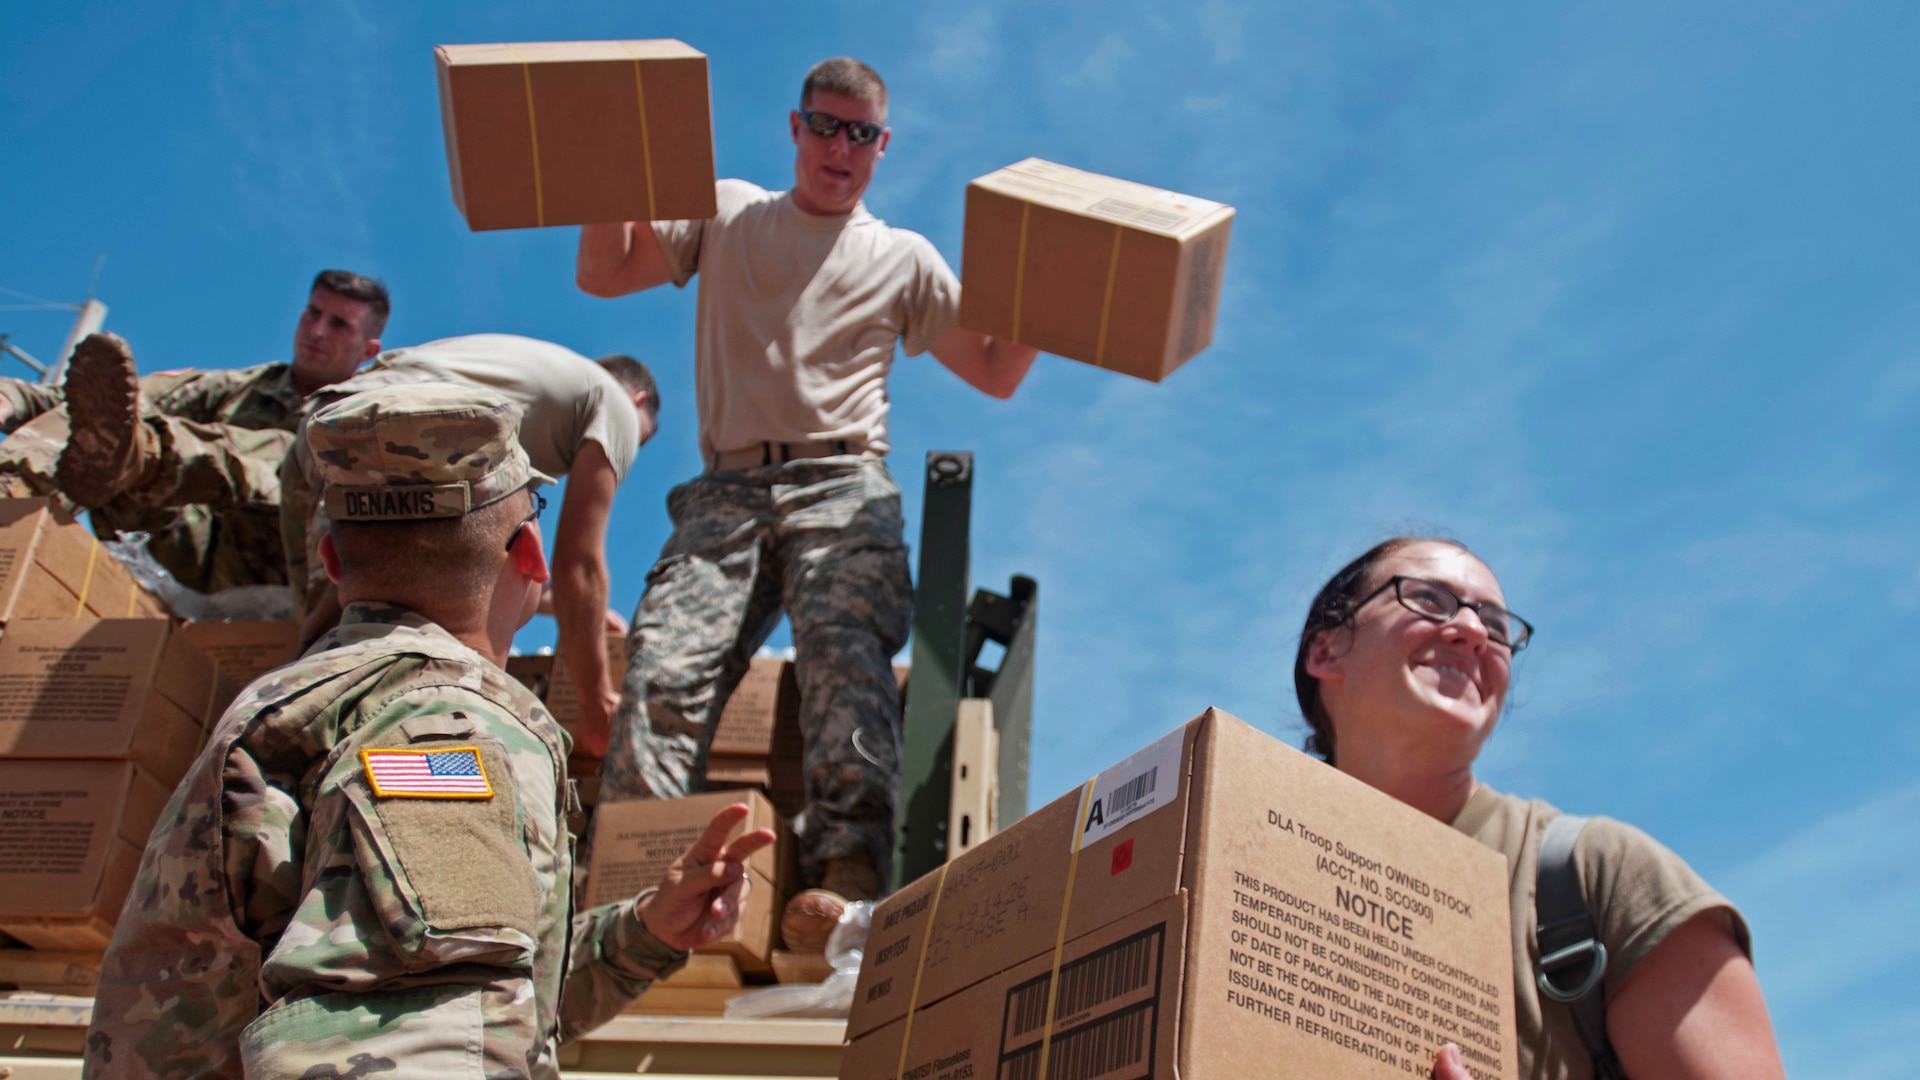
(1636, 890)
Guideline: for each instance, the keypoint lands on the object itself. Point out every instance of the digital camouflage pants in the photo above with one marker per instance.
(209, 502)
(820, 540)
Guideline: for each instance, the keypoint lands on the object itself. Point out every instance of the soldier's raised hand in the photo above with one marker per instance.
(700, 895)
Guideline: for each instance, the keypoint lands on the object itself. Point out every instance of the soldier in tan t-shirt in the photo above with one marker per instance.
(1402, 671)
(804, 296)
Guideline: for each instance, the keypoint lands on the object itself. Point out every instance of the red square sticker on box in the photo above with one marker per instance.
(1122, 858)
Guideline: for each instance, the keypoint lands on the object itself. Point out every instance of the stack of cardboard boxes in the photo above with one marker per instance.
(103, 704)
(1215, 904)
(756, 759)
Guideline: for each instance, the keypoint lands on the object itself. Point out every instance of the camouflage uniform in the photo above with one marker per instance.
(821, 540)
(289, 920)
(21, 401)
(210, 501)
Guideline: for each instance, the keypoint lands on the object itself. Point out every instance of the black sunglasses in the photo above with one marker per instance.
(826, 125)
(1432, 600)
(539, 507)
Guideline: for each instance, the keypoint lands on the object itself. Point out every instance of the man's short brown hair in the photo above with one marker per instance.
(845, 75)
(634, 376)
(368, 290)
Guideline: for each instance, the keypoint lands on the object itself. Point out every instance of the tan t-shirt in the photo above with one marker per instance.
(565, 399)
(1636, 890)
(798, 316)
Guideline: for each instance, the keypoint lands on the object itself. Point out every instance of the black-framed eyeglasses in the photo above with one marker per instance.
(827, 125)
(1432, 600)
(539, 507)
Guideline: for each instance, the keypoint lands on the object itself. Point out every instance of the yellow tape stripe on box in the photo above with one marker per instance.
(86, 583)
(1060, 935)
(533, 133)
(646, 140)
(1020, 255)
(913, 997)
(1113, 270)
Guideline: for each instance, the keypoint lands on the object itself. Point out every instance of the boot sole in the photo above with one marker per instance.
(103, 408)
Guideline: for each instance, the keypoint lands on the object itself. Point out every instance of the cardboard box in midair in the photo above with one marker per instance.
(1115, 274)
(634, 842)
(71, 837)
(54, 569)
(1217, 899)
(577, 132)
(136, 690)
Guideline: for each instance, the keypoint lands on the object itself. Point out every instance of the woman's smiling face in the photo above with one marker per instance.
(1394, 681)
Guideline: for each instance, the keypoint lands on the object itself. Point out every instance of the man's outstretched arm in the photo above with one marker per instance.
(619, 258)
(988, 364)
(580, 586)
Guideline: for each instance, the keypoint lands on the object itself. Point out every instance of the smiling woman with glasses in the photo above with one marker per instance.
(1402, 673)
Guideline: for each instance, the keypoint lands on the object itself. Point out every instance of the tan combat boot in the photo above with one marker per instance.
(109, 448)
(811, 916)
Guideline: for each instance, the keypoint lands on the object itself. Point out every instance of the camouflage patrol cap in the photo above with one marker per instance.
(418, 452)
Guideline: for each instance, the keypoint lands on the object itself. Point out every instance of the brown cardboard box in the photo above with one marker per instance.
(1113, 273)
(71, 837)
(1118, 1013)
(133, 689)
(1330, 929)
(764, 708)
(563, 701)
(535, 672)
(634, 841)
(50, 569)
(576, 132)
(243, 650)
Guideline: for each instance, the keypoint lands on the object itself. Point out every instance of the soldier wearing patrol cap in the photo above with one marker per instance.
(368, 868)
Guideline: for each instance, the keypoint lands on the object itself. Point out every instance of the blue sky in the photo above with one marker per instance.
(1623, 295)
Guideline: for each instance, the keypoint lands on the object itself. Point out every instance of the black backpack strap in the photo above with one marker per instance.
(1572, 962)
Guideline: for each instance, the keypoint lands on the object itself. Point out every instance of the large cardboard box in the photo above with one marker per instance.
(1329, 930)
(634, 841)
(55, 569)
(71, 837)
(245, 650)
(131, 689)
(1116, 274)
(577, 132)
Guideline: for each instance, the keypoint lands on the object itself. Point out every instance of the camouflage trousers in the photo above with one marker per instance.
(820, 540)
(209, 500)
(21, 401)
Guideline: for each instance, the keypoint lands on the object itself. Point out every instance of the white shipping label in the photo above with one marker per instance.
(1132, 789)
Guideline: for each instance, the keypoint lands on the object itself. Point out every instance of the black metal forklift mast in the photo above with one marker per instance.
(952, 625)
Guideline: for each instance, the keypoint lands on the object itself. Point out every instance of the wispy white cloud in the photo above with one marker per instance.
(1222, 21)
(1103, 64)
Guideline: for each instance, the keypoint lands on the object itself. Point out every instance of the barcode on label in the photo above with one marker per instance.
(1134, 213)
(1127, 968)
(1111, 1048)
(1122, 798)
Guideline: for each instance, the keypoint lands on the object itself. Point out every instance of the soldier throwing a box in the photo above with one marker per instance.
(368, 869)
(803, 296)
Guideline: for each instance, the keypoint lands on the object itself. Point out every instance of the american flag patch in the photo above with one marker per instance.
(453, 773)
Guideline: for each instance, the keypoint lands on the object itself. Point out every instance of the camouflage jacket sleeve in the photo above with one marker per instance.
(255, 397)
(613, 959)
(425, 908)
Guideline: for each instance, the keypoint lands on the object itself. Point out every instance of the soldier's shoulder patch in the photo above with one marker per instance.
(454, 772)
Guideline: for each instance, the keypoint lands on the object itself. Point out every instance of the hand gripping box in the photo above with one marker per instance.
(71, 837)
(1116, 274)
(577, 132)
(1216, 900)
(54, 569)
(634, 842)
(126, 689)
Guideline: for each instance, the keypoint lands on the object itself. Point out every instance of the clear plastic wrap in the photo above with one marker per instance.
(246, 603)
(846, 947)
